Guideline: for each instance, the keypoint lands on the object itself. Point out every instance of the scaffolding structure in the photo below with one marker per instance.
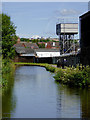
(66, 32)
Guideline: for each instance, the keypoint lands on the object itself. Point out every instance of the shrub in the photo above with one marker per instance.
(50, 68)
(8, 69)
(74, 76)
(59, 75)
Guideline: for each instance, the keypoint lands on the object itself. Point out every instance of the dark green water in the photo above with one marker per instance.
(35, 94)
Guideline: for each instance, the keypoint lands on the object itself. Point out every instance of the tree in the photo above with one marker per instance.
(8, 37)
(41, 45)
(25, 40)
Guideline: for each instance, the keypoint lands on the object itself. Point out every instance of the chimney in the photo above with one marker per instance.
(18, 40)
(45, 44)
(53, 44)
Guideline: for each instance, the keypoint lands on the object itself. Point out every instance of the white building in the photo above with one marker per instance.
(35, 37)
(44, 53)
(47, 55)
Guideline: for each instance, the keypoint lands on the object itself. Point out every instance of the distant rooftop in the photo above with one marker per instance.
(47, 50)
(24, 50)
(26, 44)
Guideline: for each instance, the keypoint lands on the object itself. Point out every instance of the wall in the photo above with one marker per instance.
(48, 54)
(85, 38)
(24, 59)
(71, 60)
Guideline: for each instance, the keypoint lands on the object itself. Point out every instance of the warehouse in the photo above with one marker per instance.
(85, 38)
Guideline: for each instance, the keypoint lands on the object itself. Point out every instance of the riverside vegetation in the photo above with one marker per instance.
(8, 69)
(74, 77)
(79, 76)
(9, 38)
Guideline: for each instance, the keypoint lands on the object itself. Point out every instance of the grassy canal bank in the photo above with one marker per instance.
(8, 69)
(78, 77)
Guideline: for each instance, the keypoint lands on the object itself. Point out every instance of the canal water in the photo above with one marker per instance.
(35, 94)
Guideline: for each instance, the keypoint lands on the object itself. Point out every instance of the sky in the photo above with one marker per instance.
(40, 18)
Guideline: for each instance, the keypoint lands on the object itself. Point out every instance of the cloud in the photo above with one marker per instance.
(67, 15)
(67, 12)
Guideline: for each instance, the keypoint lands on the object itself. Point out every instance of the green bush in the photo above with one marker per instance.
(73, 76)
(8, 69)
(59, 75)
(50, 68)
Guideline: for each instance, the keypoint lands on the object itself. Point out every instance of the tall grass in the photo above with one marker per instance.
(8, 69)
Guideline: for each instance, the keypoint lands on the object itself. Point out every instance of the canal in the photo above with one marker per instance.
(35, 94)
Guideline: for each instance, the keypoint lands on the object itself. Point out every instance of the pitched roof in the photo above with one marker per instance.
(23, 50)
(47, 50)
(19, 45)
(26, 44)
(31, 45)
(85, 14)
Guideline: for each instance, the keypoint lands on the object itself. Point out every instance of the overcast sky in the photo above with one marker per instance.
(40, 18)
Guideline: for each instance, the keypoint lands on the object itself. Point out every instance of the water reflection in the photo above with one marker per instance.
(0, 103)
(85, 103)
(76, 100)
(68, 102)
(34, 94)
(8, 98)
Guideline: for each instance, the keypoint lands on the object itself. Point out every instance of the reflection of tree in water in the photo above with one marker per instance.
(85, 103)
(71, 100)
(8, 99)
(0, 103)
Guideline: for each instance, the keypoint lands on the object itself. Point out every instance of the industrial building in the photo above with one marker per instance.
(30, 52)
(47, 55)
(85, 38)
(66, 32)
(24, 54)
(67, 28)
(68, 48)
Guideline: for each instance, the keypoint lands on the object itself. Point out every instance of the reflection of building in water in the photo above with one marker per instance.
(85, 103)
(68, 102)
(73, 102)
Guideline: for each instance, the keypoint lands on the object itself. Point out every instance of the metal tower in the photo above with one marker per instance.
(66, 32)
